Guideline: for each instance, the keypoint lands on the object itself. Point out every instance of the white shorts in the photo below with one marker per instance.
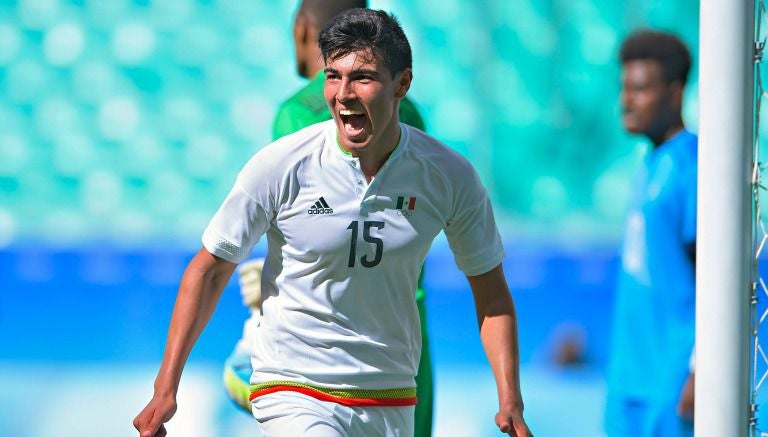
(289, 414)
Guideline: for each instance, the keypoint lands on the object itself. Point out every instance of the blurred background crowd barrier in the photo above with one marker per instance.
(123, 124)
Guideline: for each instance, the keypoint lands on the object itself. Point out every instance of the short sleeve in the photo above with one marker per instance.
(244, 216)
(471, 230)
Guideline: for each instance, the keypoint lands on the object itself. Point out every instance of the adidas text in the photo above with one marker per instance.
(320, 207)
(316, 210)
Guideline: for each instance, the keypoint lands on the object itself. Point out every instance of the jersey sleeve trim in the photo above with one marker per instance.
(221, 247)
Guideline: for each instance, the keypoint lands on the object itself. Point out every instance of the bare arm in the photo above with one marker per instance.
(199, 293)
(498, 333)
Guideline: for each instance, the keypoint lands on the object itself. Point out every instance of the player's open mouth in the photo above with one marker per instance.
(353, 121)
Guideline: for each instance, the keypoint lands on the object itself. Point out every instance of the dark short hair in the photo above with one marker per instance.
(366, 29)
(667, 49)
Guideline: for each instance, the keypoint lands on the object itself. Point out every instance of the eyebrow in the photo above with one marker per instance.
(353, 72)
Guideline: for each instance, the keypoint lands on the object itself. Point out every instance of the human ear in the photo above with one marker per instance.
(403, 83)
(676, 89)
(301, 30)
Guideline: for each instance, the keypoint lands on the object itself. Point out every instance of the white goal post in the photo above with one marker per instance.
(726, 36)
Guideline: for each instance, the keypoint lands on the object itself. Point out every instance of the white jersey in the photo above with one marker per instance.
(344, 255)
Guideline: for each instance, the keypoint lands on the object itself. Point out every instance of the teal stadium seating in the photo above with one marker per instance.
(126, 121)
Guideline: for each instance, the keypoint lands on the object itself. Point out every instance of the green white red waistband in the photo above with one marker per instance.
(393, 397)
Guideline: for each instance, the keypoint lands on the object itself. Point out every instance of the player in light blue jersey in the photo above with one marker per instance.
(650, 378)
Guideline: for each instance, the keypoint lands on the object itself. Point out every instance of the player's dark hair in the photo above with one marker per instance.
(366, 29)
(665, 48)
(320, 12)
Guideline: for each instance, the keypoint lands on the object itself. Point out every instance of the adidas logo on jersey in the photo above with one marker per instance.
(320, 207)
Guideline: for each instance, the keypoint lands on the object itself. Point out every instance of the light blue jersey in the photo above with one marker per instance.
(653, 326)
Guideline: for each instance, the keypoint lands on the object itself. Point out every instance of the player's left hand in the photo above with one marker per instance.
(151, 420)
(512, 423)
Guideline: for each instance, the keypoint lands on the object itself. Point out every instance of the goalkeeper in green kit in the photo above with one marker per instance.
(304, 108)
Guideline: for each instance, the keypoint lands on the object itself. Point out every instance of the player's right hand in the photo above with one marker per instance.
(150, 422)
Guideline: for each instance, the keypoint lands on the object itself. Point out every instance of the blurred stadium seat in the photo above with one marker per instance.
(527, 90)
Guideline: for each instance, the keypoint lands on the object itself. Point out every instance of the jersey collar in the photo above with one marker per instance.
(336, 150)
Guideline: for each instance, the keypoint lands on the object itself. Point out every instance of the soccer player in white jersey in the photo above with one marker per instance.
(349, 208)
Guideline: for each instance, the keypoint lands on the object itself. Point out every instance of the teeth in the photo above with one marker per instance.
(349, 112)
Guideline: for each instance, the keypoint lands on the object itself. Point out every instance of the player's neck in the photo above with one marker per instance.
(315, 63)
(373, 159)
(668, 133)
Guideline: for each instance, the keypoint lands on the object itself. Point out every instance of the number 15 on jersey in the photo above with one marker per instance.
(378, 242)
